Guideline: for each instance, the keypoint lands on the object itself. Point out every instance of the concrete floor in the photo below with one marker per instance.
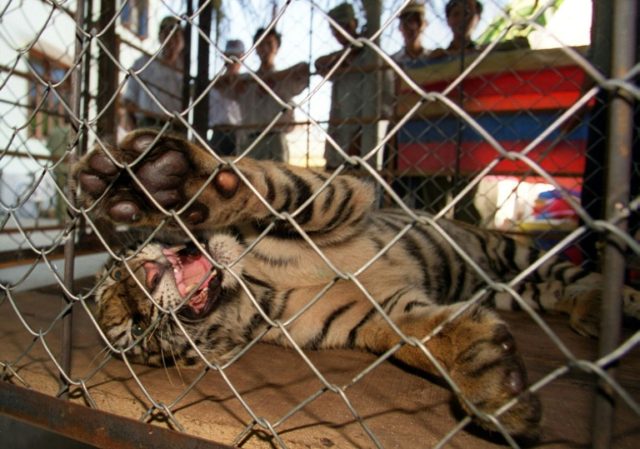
(402, 409)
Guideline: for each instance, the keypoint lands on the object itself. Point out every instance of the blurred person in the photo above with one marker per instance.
(224, 110)
(258, 107)
(354, 115)
(462, 18)
(58, 141)
(412, 23)
(162, 76)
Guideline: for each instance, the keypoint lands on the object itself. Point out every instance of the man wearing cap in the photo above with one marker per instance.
(361, 94)
(224, 110)
(162, 76)
(412, 24)
(259, 106)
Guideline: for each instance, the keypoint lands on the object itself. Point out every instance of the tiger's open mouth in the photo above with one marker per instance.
(195, 277)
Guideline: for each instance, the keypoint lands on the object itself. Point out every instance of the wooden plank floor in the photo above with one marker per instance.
(402, 409)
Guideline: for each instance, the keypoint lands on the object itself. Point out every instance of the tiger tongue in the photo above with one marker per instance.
(194, 271)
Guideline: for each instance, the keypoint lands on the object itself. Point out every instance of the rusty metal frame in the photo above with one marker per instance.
(90, 426)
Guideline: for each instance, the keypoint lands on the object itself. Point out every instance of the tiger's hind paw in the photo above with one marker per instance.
(490, 374)
(584, 317)
(583, 303)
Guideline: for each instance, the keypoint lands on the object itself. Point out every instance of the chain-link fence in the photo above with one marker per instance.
(517, 116)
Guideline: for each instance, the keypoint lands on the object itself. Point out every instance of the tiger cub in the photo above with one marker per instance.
(295, 256)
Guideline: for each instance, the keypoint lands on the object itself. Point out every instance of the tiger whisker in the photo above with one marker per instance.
(177, 365)
(103, 352)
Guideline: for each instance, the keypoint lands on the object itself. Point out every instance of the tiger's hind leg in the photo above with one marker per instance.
(582, 308)
(580, 300)
(477, 353)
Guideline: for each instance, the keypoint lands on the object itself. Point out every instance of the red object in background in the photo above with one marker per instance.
(565, 158)
(525, 90)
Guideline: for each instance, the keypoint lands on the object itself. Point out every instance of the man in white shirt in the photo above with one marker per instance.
(151, 101)
(259, 107)
(224, 110)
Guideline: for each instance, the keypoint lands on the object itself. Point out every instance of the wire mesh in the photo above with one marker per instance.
(502, 135)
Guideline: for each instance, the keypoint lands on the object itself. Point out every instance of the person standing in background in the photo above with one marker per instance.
(412, 23)
(463, 17)
(359, 98)
(259, 107)
(162, 76)
(224, 110)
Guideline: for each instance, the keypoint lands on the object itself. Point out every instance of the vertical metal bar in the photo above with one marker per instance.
(186, 65)
(82, 141)
(375, 88)
(201, 111)
(307, 151)
(455, 178)
(69, 249)
(619, 160)
(107, 71)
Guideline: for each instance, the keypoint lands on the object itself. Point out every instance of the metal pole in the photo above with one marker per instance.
(69, 250)
(107, 71)
(201, 110)
(186, 66)
(619, 161)
(455, 178)
(374, 85)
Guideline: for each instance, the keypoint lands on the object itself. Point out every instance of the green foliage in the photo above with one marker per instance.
(518, 19)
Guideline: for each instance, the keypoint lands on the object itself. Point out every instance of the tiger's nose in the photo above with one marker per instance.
(153, 274)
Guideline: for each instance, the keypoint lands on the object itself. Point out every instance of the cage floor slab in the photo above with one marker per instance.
(402, 409)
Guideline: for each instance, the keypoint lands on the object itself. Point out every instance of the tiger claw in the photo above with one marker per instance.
(125, 212)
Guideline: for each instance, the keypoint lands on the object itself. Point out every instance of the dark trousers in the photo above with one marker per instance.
(594, 181)
(223, 142)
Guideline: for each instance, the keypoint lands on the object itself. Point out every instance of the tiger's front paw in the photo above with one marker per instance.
(490, 374)
(164, 172)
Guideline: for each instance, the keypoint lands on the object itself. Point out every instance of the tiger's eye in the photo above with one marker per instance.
(137, 330)
(117, 275)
